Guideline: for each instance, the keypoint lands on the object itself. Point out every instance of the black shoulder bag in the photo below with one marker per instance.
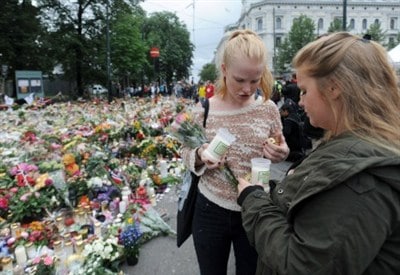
(187, 198)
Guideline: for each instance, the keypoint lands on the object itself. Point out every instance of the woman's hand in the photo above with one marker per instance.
(242, 185)
(276, 152)
(210, 164)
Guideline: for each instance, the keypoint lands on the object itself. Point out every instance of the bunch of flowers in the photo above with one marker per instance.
(102, 256)
(186, 131)
(192, 135)
(130, 238)
(45, 265)
(33, 195)
(37, 233)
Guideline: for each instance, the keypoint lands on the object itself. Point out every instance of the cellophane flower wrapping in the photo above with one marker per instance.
(191, 134)
(186, 131)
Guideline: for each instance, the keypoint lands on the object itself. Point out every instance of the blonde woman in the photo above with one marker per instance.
(217, 224)
(339, 212)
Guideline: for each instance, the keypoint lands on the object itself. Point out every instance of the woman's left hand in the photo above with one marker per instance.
(242, 185)
(276, 152)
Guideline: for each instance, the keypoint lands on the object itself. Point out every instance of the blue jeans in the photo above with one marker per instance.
(214, 230)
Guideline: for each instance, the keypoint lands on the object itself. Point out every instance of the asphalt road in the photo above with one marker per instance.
(161, 256)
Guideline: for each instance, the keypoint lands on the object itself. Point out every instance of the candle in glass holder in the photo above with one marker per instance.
(78, 247)
(15, 230)
(68, 248)
(60, 223)
(97, 229)
(57, 248)
(7, 265)
(30, 250)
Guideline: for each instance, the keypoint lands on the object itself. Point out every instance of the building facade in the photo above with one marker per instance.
(273, 19)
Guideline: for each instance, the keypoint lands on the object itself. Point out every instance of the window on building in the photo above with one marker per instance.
(393, 23)
(278, 23)
(364, 24)
(352, 24)
(376, 22)
(391, 41)
(320, 24)
(259, 24)
(278, 41)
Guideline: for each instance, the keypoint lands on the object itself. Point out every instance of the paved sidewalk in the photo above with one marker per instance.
(161, 255)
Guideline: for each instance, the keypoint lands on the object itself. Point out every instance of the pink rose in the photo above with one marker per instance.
(11, 241)
(3, 203)
(48, 182)
(36, 260)
(48, 260)
(25, 196)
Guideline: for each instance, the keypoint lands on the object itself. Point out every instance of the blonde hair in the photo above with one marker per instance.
(361, 70)
(243, 43)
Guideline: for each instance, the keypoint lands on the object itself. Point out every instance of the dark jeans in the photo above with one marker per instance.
(214, 230)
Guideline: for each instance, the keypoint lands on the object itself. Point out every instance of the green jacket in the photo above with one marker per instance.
(339, 213)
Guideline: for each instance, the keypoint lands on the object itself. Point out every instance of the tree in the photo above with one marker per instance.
(208, 72)
(394, 42)
(301, 33)
(376, 32)
(129, 50)
(175, 54)
(22, 43)
(80, 27)
(336, 25)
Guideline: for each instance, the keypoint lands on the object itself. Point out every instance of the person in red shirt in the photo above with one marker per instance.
(209, 89)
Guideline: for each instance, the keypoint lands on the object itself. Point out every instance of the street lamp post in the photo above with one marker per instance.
(344, 15)
(108, 51)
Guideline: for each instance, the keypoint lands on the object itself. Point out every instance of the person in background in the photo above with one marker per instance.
(339, 211)
(217, 224)
(202, 92)
(209, 89)
(291, 90)
(292, 132)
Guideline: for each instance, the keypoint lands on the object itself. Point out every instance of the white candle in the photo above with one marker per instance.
(163, 168)
(122, 207)
(20, 255)
(97, 229)
(219, 145)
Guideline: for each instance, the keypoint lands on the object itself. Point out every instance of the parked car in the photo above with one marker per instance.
(97, 89)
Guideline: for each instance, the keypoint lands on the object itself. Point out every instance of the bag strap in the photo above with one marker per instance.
(206, 107)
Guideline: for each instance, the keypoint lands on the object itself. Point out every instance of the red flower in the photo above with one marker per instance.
(3, 203)
(48, 182)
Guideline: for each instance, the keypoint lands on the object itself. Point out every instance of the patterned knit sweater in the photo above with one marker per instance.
(252, 126)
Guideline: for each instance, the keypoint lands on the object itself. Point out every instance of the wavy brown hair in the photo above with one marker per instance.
(243, 43)
(361, 70)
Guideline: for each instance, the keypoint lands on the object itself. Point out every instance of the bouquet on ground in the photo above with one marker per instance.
(192, 135)
(130, 239)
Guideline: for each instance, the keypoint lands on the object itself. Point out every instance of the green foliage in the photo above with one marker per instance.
(376, 32)
(301, 33)
(393, 43)
(336, 25)
(73, 34)
(208, 72)
(175, 54)
(22, 37)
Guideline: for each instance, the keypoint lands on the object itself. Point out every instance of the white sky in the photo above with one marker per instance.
(210, 18)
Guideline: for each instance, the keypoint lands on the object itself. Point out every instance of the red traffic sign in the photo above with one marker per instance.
(154, 52)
